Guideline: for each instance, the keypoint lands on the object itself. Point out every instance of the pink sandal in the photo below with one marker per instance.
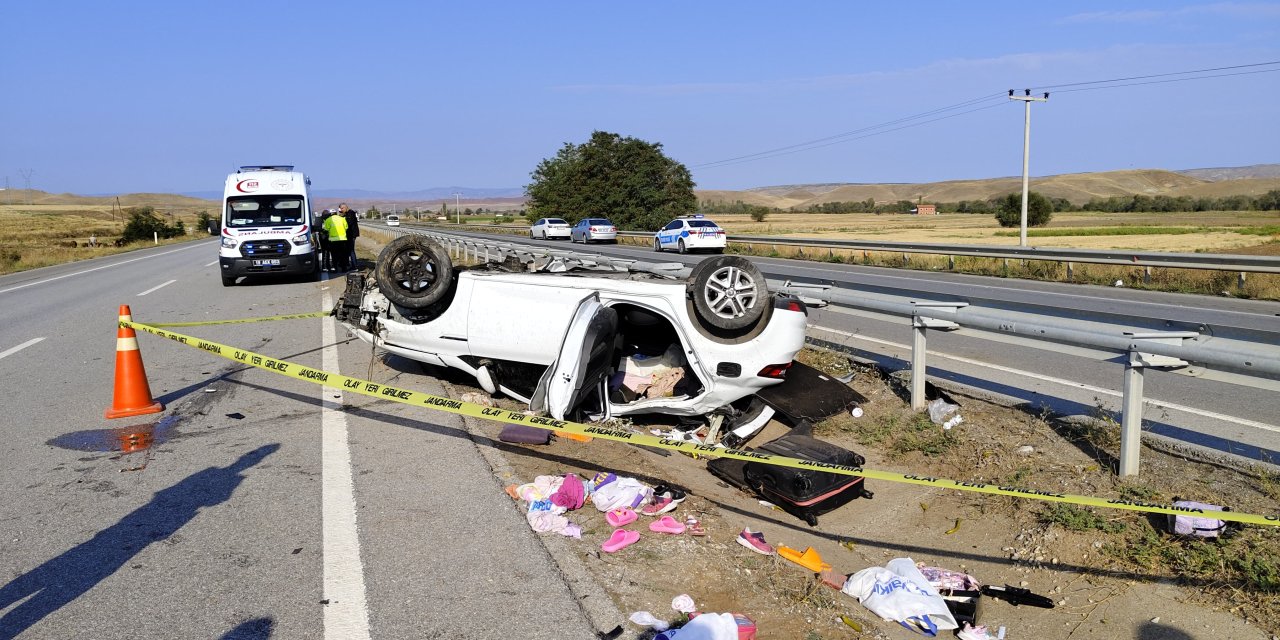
(694, 527)
(620, 517)
(666, 524)
(620, 539)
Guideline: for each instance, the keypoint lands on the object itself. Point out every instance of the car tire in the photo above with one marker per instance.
(681, 248)
(728, 292)
(414, 272)
(657, 245)
(531, 236)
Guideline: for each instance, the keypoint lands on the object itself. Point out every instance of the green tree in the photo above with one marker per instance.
(625, 179)
(1039, 210)
(144, 224)
(759, 213)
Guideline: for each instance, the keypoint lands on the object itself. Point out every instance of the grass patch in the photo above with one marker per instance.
(1269, 230)
(896, 435)
(1246, 561)
(1074, 518)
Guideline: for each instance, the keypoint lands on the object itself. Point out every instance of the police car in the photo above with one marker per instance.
(690, 233)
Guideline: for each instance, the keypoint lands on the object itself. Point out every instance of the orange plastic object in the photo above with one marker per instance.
(809, 559)
(132, 396)
(572, 436)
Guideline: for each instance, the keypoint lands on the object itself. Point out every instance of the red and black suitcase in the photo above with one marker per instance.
(806, 493)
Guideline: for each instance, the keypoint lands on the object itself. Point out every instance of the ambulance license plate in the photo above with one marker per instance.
(267, 263)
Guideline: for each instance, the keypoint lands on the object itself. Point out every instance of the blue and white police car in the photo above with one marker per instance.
(690, 233)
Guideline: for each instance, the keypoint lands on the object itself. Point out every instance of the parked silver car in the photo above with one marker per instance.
(590, 230)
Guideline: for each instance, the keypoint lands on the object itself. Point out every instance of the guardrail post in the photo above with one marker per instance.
(1240, 282)
(1070, 272)
(920, 326)
(951, 263)
(1146, 275)
(1131, 416)
(1134, 367)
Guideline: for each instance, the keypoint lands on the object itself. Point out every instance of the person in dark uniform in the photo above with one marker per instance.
(322, 236)
(353, 232)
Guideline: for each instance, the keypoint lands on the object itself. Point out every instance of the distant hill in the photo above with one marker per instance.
(158, 200)
(1216, 174)
(1076, 187)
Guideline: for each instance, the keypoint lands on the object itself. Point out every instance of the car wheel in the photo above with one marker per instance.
(657, 245)
(531, 236)
(414, 272)
(729, 292)
(681, 248)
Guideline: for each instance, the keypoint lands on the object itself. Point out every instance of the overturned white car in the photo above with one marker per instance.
(604, 343)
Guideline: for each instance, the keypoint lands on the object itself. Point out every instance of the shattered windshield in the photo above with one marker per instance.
(265, 211)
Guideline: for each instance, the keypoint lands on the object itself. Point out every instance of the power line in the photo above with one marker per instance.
(770, 152)
(1134, 84)
(1053, 87)
(915, 120)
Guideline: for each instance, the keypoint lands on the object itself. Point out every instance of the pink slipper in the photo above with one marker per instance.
(620, 539)
(620, 517)
(666, 524)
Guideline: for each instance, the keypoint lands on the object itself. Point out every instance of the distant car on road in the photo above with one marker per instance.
(590, 230)
(393, 221)
(690, 233)
(548, 228)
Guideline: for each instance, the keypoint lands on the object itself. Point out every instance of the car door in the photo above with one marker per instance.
(670, 233)
(586, 356)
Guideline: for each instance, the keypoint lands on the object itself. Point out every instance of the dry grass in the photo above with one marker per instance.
(42, 235)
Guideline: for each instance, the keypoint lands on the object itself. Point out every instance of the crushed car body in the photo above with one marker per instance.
(598, 343)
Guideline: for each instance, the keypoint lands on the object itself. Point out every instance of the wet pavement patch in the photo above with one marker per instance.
(130, 439)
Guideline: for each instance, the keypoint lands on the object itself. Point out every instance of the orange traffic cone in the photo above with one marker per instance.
(132, 393)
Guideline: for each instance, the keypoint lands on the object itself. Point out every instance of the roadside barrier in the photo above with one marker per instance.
(131, 395)
(449, 405)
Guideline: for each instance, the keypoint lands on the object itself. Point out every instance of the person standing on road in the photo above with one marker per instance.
(339, 246)
(353, 232)
(322, 236)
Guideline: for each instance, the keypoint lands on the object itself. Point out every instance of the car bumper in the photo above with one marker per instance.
(704, 242)
(558, 233)
(602, 236)
(301, 263)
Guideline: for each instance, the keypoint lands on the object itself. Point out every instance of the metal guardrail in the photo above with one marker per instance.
(1249, 360)
(1211, 261)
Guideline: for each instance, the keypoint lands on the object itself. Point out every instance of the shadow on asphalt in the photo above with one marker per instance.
(61, 580)
(255, 629)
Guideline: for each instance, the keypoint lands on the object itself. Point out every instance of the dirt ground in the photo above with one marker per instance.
(1113, 574)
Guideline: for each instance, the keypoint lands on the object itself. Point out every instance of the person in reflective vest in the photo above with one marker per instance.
(339, 246)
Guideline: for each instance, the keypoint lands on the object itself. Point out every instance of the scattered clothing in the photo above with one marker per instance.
(571, 493)
(708, 626)
(646, 619)
(621, 492)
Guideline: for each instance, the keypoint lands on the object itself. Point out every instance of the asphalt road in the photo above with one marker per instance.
(1228, 418)
(266, 507)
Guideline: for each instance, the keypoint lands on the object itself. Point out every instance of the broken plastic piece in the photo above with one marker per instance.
(809, 559)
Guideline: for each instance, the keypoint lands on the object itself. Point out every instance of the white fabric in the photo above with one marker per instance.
(708, 626)
(683, 603)
(622, 492)
(900, 593)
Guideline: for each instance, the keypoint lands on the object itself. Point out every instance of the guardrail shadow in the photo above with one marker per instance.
(61, 580)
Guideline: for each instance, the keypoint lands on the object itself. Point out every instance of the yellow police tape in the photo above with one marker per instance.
(291, 316)
(417, 398)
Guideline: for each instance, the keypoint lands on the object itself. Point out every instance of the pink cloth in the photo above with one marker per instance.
(571, 493)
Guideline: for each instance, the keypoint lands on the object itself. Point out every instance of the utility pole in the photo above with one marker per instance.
(457, 205)
(1026, 155)
(26, 175)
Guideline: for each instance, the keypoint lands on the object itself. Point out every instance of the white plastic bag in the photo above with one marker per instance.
(899, 592)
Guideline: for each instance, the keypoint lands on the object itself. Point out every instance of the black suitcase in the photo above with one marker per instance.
(805, 493)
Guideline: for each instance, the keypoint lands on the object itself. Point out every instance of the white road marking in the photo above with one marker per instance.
(212, 263)
(13, 350)
(1069, 383)
(156, 287)
(105, 266)
(346, 616)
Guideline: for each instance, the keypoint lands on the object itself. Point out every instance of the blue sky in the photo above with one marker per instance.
(116, 97)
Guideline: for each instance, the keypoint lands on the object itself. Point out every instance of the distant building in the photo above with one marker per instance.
(926, 210)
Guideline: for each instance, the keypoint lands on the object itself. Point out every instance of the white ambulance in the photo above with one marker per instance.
(267, 226)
